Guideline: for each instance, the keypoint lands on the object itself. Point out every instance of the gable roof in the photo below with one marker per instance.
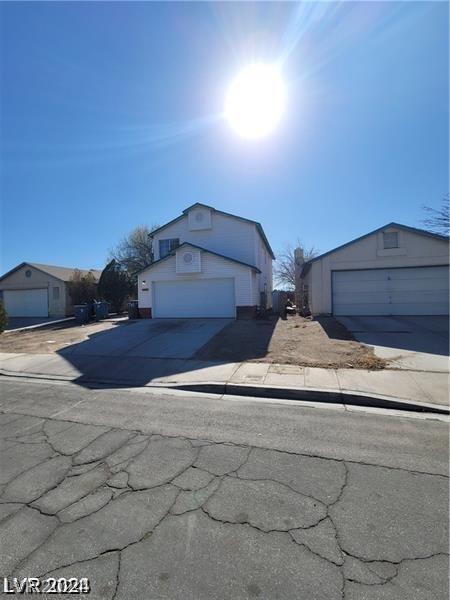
(62, 273)
(220, 212)
(437, 236)
(172, 254)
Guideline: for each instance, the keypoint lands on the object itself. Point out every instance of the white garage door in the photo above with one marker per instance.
(26, 303)
(199, 298)
(403, 291)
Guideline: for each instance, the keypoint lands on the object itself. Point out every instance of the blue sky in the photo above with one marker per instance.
(111, 117)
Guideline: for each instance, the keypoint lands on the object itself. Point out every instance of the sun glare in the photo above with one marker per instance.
(255, 101)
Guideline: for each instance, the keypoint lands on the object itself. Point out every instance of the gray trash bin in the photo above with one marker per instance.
(82, 313)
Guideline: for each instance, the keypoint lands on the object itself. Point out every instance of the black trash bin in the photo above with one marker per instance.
(82, 313)
(133, 309)
(101, 310)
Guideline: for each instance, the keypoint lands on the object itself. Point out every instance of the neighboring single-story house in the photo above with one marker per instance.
(394, 270)
(207, 263)
(35, 290)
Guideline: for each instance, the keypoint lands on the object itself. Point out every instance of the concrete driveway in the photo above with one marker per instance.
(408, 342)
(148, 338)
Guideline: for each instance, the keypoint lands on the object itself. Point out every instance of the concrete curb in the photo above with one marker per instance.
(315, 395)
(326, 396)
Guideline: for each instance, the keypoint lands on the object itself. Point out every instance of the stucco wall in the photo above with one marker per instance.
(414, 250)
(38, 280)
(211, 267)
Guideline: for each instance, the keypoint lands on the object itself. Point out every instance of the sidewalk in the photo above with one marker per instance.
(424, 388)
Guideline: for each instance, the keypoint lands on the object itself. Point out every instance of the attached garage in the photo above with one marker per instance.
(394, 270)
(190, 299)
(398, 291)
(193, 282)
(26, 303)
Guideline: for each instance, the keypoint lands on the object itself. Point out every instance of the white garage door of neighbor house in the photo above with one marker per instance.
(189, 299)
(401, 291)
(26, 303)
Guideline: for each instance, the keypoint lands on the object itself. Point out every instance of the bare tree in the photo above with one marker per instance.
(437, 219)
(134, 252)
(285, 264)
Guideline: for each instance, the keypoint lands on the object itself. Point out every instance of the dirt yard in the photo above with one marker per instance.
(317, 343)
(321, 342)
(54, 337)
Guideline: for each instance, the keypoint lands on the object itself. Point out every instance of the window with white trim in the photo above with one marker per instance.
(168, 246)
(390, 239)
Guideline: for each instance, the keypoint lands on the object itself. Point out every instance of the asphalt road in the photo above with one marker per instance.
(153, 495)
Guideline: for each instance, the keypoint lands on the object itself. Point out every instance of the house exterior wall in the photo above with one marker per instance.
(415, 250)
(229, 236)
(265, 278)
(213, 267)
(38, 280)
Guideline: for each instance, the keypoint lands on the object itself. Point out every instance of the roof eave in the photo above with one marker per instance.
(366, 235)
(171, 254)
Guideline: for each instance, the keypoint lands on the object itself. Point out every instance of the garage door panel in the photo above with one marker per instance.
(354, 287)
(361, 297)
(417, 273)
(363, 309)
(401, 291)
(194, 298)
(26, 303)
(364, 275)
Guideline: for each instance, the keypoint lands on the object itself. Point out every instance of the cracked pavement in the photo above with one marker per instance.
(148, 515)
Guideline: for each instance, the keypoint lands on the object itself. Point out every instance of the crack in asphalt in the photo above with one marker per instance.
(230, 443)
(148, 438)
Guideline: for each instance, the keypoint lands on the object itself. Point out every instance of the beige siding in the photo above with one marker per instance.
(213, 267)
(414, 250)
(38, 280)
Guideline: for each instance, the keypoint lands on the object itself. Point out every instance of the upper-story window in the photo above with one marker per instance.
(390, 239)
(168, 246)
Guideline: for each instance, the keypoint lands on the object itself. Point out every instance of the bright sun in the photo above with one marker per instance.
(255, 101)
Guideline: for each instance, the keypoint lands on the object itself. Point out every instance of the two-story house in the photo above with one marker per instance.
(207, 263)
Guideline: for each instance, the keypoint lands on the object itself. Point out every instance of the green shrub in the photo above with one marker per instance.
(115, 285)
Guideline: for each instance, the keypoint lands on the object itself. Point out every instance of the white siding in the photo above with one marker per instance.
(264, 263)
(183, 267)
(213, 267)
(414, 250)
(255, 288)
(229, 236)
